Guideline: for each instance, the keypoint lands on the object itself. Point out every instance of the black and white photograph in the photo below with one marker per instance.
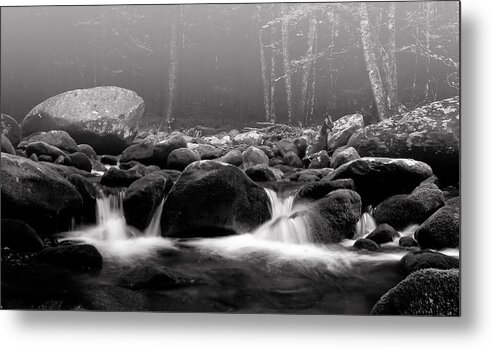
(242, 158)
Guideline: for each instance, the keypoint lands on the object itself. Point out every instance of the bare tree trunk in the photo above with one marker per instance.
(173, 71)
(313, 76)
(273, 69)
(371, 63)
(266, 87)
(330, 54)
(305, 97)
(427, 47)
(287, 68)
(389, 62)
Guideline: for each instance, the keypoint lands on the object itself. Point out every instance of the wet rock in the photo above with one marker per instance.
(7, 146)
(87, 191)
(10, 128)
(428, 292)
(366, 244)
(37, 195)
(142, 199)
(343, 129)
(107, 297)
(18, 235)
(408, 242)
(321, 189)
(342, 156)
(162, 149)
(320, 160)
(301, 145)
(308, 178)
(401, 211)
(378, 178)
(109, 159)
(384, 233)
(291, 159)
(115, 177)
(260, 172)
(48, 158)
(41, 148)
(233, 157)
(213, 198)
(267, 150)
(442, 229)
(87, 150)
(422, 259)
(57, 138)
(341, 209)
(78, 257)
(430, 134)
(252, 156)
(34, 157)
(80, 161)
(142, 153)
(286, 145)
(104, 117)
(179, 159)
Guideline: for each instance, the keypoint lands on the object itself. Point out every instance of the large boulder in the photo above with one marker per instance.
(104, 117)
(212, 198)
(253, 156)
(422, 259)
(142, 199)
(162, 149)
(428, 292)
(36, 194)
(179, 159)
(401, 211)
(343, 129)
(430, 134)
(10, 128)
(7, 146)
(339, 212)
(378, 178)
(57, 138)
(442, 229)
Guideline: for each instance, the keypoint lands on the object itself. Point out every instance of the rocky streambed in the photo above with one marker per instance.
(209, 221)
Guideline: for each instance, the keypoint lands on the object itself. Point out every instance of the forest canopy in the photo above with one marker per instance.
(237, 63)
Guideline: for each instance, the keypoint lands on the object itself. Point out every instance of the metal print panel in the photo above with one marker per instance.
(243, 158)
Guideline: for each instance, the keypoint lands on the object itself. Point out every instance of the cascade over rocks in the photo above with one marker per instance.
(37, 195)
(340, 209)
(429, 134)
(211, 198)
(377, 178)
(429, 292)
(104, 117)
(142, 199)
(10, 128)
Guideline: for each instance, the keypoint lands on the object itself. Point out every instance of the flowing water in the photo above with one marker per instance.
(274, 269)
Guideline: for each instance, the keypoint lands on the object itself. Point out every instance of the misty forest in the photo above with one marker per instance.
(248, 158)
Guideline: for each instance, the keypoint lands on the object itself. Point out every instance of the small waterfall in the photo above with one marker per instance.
(288, 222)
(154, 228)
(365, 225)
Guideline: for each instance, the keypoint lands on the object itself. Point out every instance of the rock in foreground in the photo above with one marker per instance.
(428, 292)
(211, 198)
